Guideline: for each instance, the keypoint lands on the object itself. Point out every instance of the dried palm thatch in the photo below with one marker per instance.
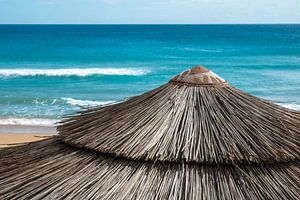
(195, 137)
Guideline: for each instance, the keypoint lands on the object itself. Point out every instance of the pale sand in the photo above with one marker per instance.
(17, 135)
(12, 139)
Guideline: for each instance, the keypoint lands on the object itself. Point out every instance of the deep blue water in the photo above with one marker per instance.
(47, 70)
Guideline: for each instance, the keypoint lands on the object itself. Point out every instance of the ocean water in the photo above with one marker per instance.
(47, 71)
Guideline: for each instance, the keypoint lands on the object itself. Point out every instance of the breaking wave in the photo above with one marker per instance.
(292, 106)
(28, 121)
(72, 72)
(76, 102)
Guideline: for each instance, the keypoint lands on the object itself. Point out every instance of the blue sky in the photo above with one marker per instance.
(149, 11)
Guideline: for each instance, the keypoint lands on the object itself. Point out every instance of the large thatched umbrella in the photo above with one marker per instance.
(195, 137)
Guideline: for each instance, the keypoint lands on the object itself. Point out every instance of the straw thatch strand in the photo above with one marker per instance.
(194, 138)
(179, 122)
(51, 169)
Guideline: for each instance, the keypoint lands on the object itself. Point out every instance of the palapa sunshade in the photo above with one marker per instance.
(196, 137)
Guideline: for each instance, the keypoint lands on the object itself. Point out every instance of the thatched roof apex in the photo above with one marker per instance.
(190, 123)
(198, 75)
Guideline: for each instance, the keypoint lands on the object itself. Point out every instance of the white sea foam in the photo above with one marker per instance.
(50, 122)
(72, 72)
(28, 121)
(292, 106)
(77, 102)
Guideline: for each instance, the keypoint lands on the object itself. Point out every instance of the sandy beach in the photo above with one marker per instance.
(17, 135)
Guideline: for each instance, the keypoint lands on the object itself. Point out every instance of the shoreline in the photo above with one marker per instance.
(13, 135)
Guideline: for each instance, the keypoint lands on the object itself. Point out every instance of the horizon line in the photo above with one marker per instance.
(150, 24)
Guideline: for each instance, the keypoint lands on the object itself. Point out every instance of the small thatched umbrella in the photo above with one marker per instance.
(195, 137)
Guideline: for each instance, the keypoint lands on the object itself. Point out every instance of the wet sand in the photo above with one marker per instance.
(17, 135)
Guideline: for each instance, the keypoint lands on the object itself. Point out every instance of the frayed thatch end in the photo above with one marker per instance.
(184, 123)
(51, 169)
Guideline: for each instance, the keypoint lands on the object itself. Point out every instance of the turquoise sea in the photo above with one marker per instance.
(47, 71)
